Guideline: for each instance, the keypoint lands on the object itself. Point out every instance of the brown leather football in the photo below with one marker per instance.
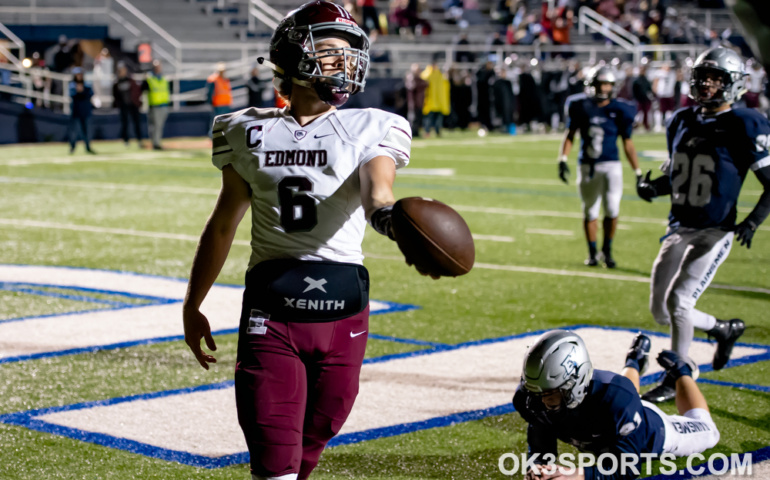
(433, 237)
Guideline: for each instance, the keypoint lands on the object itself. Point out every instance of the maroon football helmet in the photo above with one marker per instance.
(296, 60)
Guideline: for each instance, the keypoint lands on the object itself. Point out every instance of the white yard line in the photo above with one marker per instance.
(192, 238)
(543, 231)
(425, 143)
(111, 186)
(493, 238)
(486, 179)
(211, 191)
(112, 157)
(427, 172)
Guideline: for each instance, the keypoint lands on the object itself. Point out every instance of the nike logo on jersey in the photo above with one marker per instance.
(322, 136)
(354, 335)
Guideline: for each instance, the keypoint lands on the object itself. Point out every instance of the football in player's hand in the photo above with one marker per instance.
(433, 237)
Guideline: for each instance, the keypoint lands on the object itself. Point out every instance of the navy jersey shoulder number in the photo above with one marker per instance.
(710, 157)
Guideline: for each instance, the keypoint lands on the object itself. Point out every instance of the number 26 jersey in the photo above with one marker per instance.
(709, 157)
(305, 189)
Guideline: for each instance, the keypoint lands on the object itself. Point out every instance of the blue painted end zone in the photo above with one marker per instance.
(34, 289)
(446, 421)
(27, 419)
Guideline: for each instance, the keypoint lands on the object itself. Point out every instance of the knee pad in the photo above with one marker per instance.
(660, 313)
(679, 313)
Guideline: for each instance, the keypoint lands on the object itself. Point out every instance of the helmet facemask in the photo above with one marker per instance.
(722, 65)
(597, 77)
(703, 78)
(296, 58)
(335, 88)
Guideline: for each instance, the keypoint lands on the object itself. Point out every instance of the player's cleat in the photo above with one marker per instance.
(675, 366)
(591, 261)
(609, 262)
(726, 334)
(639, 353)
(663, 392)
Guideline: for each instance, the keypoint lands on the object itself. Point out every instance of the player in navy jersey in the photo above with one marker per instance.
(711, 149)
(601, 119)
(562, 397)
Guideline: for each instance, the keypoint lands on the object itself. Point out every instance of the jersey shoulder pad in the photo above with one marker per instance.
(628, 108)
(230, 132)
(681, 115)
(755, 123)
(234, 120)
(379, 131)
(575, 101)
(622, 400)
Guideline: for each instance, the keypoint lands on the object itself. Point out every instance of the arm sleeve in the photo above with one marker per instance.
(758, 154)
(396, 143)
(623, 446)
(569, 112)
(628, 417)
(540, 441)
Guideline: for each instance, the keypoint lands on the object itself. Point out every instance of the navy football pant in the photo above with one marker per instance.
(295, 386)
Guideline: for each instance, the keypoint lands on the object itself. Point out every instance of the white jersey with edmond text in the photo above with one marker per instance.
(305, 189)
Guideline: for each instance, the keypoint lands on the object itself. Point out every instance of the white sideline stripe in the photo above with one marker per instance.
(430, 143)
(111, 186)
(193, 238)
(493, 238)
(551, 213)
(427, 172)
(543, 231)
(424, 156)
(394, 392)
(112, 157)
(113, 231)
(168, 236)
(480, 178)
(211, 191)
(657, 154)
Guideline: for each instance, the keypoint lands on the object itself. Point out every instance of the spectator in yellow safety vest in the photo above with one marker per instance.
(220, 93)
(158, 99)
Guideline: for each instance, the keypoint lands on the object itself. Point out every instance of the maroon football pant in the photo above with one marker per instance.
(295, 386)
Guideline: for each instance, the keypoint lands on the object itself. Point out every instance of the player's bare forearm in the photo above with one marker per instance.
(377, 177)
(630, 149)
(566, 144)
(217, 237)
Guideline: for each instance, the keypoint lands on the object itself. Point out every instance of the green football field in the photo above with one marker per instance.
(141, 211)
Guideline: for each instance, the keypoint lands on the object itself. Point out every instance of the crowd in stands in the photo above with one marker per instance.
(526, 95)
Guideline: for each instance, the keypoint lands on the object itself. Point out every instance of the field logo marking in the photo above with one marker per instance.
(398, 393)
(121, 309)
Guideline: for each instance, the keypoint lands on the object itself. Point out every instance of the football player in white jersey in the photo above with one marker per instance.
(312, 175)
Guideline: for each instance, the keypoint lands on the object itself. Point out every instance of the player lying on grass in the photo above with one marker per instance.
(562, 397)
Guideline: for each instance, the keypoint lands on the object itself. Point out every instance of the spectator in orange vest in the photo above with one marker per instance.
(220, 93)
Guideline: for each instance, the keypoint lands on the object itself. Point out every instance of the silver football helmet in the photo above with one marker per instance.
(558, 360)
(600, 74)
(728, 66)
